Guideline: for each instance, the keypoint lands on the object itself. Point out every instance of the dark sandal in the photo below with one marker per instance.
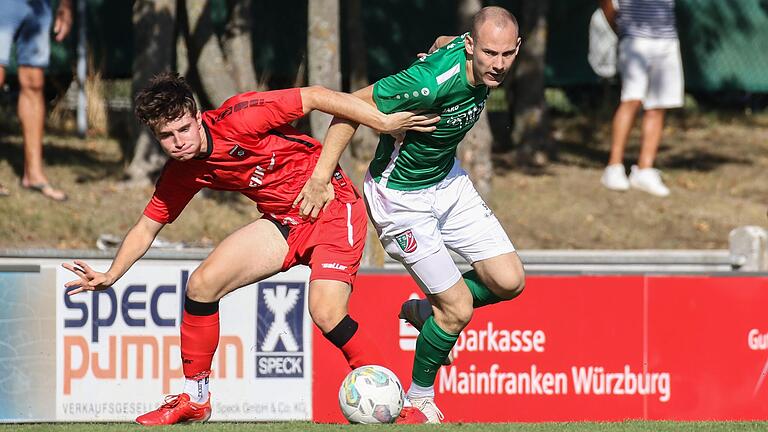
(47, 191)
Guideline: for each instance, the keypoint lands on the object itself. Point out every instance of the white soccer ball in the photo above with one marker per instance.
(371, 394)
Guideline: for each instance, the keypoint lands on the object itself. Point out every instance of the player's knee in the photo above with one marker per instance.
(454, 317)
(462, 314)
(511, 285)
(326, 318)
(201, 286)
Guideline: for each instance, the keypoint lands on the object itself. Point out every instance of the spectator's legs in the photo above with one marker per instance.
(32, 117)
(31, 110)
(652, 127)
(622, 124)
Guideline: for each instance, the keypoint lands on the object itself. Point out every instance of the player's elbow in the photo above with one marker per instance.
(312, 95)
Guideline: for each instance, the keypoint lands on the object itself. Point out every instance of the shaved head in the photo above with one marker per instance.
(492, 45)
(497, 16)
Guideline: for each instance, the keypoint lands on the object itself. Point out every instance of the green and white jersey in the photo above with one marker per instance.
(437, 83)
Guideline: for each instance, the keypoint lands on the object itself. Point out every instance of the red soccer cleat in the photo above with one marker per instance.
(411, 415)
(177, 409)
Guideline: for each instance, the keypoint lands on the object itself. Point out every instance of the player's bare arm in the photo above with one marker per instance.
(314, 197)
(350, 107)
(610, 13)
(315, 194)
(134, 246)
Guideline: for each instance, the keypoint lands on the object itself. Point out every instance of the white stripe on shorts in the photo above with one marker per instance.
(350, 231)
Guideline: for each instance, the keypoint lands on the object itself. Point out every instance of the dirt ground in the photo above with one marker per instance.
(715, 165)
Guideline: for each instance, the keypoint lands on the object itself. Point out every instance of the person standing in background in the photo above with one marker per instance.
(652, 75)
(27, 24)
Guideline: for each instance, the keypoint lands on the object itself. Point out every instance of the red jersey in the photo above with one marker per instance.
(252, 150)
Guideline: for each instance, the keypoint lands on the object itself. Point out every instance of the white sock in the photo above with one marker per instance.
(417, 392)
(197, 389)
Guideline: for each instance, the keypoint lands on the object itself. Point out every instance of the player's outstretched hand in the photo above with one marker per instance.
(314, 197)
(400, 122)
(88, 279)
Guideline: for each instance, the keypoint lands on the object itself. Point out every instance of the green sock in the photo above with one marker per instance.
(432, 347)
(481, 295)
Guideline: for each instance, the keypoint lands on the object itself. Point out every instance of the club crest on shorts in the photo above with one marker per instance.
(406, 241)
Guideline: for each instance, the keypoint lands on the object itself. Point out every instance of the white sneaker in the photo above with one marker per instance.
(428, 407)
(615, 178)
(648, 180)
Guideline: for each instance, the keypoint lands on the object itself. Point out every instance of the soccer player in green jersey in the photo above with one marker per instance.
(422, 202)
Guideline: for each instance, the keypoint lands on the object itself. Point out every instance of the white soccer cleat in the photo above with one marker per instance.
(615, 178)
(416, 312)
(648, 180)
(427, 406)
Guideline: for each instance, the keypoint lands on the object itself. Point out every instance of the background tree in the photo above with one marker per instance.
(475, 149)
(525, 90)
(153, 53)
(217, 66)
(360, 151)
(358, 155)
(324, 61)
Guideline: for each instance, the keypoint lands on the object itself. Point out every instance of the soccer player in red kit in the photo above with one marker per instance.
(248, 146)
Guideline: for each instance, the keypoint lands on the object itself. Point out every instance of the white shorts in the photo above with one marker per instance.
(413, 225)
(651, 71)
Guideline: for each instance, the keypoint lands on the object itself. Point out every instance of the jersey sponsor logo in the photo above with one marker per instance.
(257, 178)
(468, 117)
(280, 330)
(406, 241)
(451, 109)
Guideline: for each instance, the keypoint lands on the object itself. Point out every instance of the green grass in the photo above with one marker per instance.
(627, 426)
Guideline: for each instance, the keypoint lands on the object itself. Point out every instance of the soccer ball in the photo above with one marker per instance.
(371, 394)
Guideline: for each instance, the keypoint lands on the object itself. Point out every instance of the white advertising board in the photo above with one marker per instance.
(118, 352)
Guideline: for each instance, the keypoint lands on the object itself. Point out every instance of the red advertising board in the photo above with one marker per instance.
(574, 348)
(711, 334)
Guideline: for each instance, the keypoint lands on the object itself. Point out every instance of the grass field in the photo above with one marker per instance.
(627, 426)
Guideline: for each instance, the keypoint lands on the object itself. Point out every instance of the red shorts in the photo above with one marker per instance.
(332, 246)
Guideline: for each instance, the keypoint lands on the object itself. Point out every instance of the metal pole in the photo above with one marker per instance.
(82, 102)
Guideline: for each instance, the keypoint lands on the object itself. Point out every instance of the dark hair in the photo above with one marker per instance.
(499, 15)
(166, 98)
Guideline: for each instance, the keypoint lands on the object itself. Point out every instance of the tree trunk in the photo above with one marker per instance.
(526, 90)
(363, 145)
(360, 151)
(238, 47)
(210, 74)
(475, 149)
(324, 62)
(153, 53)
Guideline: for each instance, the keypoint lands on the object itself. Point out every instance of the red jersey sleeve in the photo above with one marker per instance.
(260, 112)
(173, 192)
